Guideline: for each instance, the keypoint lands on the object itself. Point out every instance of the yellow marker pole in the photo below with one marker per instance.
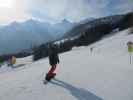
(130, 58)
(130, 50)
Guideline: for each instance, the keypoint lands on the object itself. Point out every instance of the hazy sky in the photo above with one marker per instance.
(56, 10)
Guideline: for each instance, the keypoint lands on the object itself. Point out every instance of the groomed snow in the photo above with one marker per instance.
(103, 74)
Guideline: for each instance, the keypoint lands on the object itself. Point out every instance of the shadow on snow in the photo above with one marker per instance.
(79, 93)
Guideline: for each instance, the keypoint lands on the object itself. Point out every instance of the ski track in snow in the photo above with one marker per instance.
(103, 74)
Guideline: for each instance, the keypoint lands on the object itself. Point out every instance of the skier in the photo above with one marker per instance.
(53, 61)
(11, 61)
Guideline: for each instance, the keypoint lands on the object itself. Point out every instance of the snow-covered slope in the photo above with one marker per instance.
(103, 74)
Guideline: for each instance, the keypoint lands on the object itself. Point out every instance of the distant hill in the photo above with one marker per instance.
(18, 36)
(89, 24)
(59, 29)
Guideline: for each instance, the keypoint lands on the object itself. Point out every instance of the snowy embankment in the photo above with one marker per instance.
(103, 74)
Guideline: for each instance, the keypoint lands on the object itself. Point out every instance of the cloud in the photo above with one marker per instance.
(122, 6)
(40, 15)
(76, 10)
(56, 10)
(60, 9)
